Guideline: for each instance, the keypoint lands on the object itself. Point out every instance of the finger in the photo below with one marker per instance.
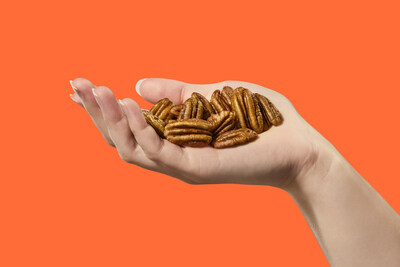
(115, 121)
(155, 148)
(76, 99)
(118, 129)
(154, 89)
(83, 88)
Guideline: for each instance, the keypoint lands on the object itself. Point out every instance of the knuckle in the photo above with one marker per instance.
(152, 155)
(117, 125)
(125, 157)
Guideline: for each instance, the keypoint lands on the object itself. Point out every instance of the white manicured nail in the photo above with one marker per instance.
(94, 93)
(123, 106)
(96, 97)
(138, 85)
(73, 87)
(72, 97)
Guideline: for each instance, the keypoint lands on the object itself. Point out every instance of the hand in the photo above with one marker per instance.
(277, 157)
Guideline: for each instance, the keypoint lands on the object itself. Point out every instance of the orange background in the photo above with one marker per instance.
(67, 199)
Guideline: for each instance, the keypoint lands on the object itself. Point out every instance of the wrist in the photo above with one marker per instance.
(325, 164)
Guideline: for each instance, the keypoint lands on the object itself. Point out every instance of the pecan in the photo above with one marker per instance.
(154, 122)
(248, 113)
(190, 123)
(191, 109)
(219, 102)
(189, 132)
(162, 108)
(266, 122)
(174, 113)
(270, 112)
(208, 109)
(227, 93)
(234, 138)
(232, 117)
(222, 122)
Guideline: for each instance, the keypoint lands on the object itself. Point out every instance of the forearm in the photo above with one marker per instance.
(353, 224)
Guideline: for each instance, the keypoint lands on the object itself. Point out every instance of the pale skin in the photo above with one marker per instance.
(352, 223)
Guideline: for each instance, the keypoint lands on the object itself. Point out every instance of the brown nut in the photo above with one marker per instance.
(190, 123)
(227, 93)
(208, 109)
(162, 108)
(189, 132)
(174, 113)
(199, 122)
(219, 102)
(186, 111)
(267, 123)
(234, 138)
(191, 109)
(248, 113)
(222, 122)
(154, 122)
(270, 112)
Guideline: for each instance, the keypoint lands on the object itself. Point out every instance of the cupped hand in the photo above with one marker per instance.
(277, 157)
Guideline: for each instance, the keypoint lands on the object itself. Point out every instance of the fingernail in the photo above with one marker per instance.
(138, 84)
(96, 97)
(122, 106)
(72, 97)
(73, 87)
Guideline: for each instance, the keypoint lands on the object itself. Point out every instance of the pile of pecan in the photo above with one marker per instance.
(230, 118)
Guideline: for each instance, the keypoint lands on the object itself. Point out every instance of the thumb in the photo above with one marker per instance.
(154, 89)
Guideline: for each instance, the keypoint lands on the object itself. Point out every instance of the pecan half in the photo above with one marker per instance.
(248, 113)
(219, 102)
(270, 112)
(192, 108)
(162, 108)
(222, 122)
(234, 138)
(231, 118)
(154, 122)
(227, 93)
(189, 132)
(174, 113)
(208, 109)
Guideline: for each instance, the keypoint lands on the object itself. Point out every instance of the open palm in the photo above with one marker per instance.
(275, 158)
